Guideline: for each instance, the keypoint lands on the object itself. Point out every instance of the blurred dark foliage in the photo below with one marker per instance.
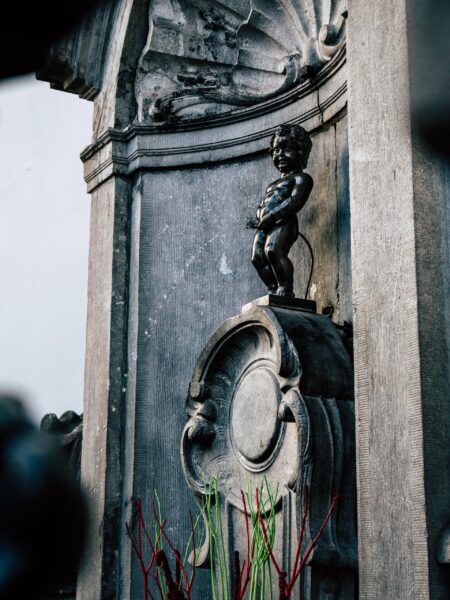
(42, 513)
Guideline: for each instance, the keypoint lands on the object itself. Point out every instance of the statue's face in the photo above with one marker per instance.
(285, 155)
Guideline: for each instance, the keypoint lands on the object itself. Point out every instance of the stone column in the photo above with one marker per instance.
(400, 276)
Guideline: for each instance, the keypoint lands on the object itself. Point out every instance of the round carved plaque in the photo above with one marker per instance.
(235, 431)
(255, 426)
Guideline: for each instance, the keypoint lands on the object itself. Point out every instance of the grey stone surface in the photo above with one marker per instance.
(194, 268)
(400, 292)
(257, 410)
(325, 221)
(262, 387)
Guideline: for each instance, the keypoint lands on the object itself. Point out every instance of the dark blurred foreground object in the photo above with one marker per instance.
(27, 30)
(68, 430)
(430, 72)
(42, 514)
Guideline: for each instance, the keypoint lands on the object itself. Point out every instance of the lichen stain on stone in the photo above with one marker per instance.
(223, 265)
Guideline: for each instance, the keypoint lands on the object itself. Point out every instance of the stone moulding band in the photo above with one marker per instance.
(158, 147)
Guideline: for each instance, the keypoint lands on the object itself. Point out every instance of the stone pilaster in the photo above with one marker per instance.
(105, 386)
(400, 278)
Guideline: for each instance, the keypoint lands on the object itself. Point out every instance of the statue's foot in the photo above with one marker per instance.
(272, 290)
(284, 290)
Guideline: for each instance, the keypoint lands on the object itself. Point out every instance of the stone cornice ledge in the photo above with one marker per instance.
(207, 141)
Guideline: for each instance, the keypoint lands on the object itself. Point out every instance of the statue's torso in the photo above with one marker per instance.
(276, 194)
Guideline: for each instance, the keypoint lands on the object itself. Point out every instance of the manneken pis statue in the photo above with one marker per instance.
(277, 223)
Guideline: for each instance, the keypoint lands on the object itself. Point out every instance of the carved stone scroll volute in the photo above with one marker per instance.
(248, 419)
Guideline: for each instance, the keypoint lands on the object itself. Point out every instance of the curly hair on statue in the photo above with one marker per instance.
(298, 136)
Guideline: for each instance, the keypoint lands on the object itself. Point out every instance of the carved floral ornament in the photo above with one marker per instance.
(207, 57)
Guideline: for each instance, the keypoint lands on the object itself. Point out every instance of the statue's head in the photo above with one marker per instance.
(290, 147)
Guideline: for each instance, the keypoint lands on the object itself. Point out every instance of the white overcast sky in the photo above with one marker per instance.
(44, 216)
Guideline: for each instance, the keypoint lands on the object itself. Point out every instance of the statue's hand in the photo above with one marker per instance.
(267, 222)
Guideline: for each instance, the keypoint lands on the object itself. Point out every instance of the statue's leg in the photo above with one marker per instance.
(261, 263)
(276, 250)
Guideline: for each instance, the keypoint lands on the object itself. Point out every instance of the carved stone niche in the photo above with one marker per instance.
(272, 397)
(204, 58)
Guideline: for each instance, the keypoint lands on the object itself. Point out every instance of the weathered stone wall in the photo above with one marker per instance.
(191, 270)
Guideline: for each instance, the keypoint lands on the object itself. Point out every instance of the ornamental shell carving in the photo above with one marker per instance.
(207, 57)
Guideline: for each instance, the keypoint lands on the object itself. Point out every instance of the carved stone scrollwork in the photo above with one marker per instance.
(207, 57)
(271, 397)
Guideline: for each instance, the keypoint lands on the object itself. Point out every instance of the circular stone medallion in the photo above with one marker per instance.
(254, 414)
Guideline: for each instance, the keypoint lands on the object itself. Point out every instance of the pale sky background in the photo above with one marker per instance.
(44, 216)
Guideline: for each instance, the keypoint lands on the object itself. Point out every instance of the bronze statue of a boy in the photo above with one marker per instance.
(277, 214)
